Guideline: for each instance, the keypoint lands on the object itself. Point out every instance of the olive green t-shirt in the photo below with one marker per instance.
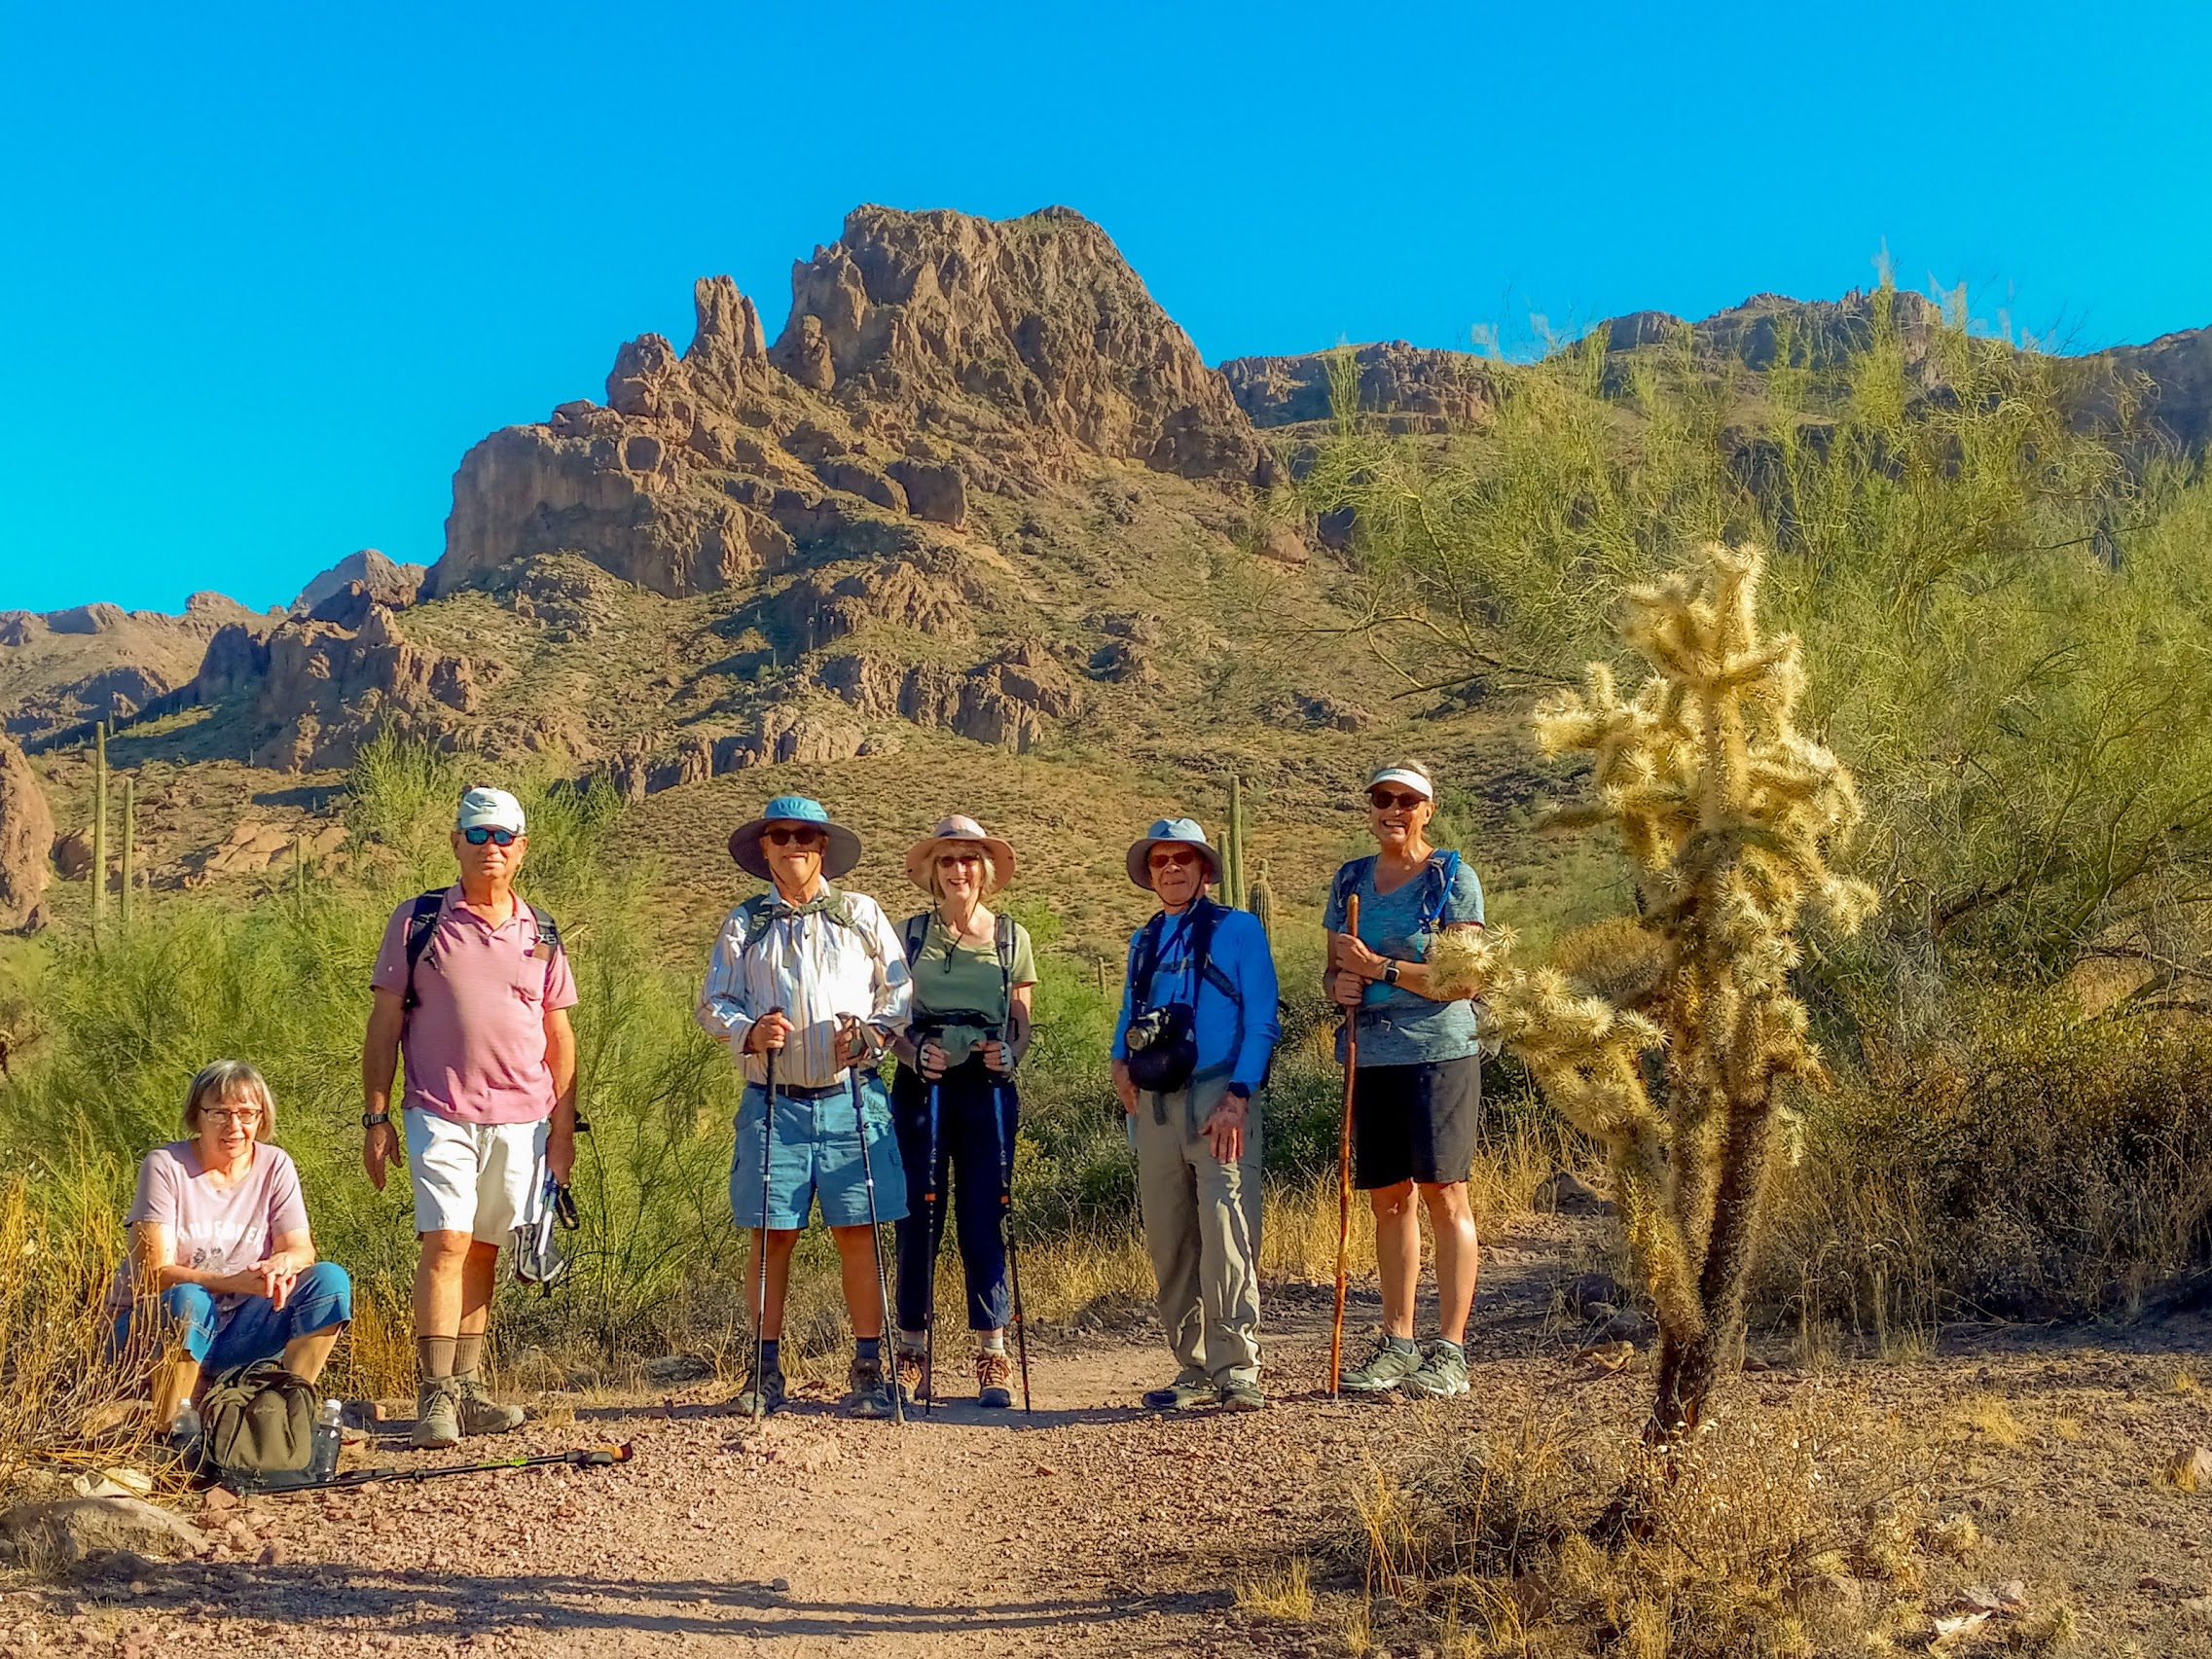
(959, 978)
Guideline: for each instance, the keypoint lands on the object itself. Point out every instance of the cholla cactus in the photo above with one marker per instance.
(1728, 812)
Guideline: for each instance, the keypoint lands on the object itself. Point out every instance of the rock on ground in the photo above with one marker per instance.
(72, 1528)
(26, 836)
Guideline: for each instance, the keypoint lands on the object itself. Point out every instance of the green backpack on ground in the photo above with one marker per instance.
(257, 1427)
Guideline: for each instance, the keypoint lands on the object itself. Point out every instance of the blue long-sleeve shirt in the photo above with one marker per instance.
(1239, 949)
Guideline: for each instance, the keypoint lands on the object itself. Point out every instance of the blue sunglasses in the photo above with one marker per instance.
(483, 833)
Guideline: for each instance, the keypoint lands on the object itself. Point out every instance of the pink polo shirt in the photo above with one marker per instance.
(474, 1040)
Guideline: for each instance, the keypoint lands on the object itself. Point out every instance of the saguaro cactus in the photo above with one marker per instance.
(99, 827)
(129, 845)
(1728, 813)
(1234, 876)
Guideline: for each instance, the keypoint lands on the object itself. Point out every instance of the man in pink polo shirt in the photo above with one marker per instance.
(482, 1012)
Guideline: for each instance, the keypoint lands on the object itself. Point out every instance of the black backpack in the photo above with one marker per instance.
(1162, 1041)
(916, 929)
(257, 1427)
(423, 922)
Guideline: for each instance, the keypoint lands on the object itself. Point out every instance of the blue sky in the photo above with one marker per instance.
(271, 271)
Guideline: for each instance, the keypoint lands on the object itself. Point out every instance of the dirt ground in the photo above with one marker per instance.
(1092, 1526)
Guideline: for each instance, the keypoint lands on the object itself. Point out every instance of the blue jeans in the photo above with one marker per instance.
(255, 1328)
(975, 1146)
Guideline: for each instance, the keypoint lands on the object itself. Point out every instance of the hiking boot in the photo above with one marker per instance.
(481, 1414)
(1442, 1375)
(993, 1371)
(1393, 1361)
(913, 1376)
(868, 1396)
(761, 1398)
(437, 1415)
(1187, 1393)
(1241, 1397)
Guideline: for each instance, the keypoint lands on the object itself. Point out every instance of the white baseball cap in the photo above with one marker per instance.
(489, 808)
(1407, 773)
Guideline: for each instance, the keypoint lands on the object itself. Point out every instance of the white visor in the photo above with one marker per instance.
(1413, 781)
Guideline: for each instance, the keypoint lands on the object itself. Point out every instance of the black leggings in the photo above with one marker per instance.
(976, 1115)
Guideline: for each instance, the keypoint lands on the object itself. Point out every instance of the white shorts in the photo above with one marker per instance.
(479, 1179)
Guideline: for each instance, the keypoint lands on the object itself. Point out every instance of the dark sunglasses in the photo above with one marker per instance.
(790, 837)
(1383, 800)
(1162, 859)
(483, 833)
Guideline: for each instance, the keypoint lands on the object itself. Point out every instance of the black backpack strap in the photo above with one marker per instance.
(1202, 953)
(422, 922)
(917, 933)
(1148, 961)
(548, 929)
(1002, 941)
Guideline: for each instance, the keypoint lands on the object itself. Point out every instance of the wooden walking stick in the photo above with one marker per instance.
(1344, 1170)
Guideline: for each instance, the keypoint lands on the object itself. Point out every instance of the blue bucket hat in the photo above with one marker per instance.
(843, 853)
(1183, 832)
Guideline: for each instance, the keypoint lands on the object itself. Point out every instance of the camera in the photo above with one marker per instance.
(1146, 1028)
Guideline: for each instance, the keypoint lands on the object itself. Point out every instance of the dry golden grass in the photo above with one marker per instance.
(1987, 1416)
(1286, 1593)
(375, 1361)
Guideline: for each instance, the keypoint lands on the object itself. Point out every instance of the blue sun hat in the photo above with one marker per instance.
(842, 855)
(1183, 832)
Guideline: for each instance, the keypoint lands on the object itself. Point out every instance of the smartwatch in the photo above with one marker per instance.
(370, 1120)
(1390, 972)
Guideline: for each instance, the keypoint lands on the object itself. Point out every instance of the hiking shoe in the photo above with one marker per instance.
(1241, 1397)
(1186, 1393)
(481, 1414)
(1391, 1363)
(993, 1373)
(760, 1399)
(913, 1376)
(869, 1395)
(1442, 1375)
(437, 1415)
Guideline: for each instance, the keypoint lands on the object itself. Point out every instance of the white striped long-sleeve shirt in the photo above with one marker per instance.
(819, 972)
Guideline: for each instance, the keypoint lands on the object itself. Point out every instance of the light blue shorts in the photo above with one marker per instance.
(816, 1153)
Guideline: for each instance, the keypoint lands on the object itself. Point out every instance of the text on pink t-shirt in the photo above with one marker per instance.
(218, 1229)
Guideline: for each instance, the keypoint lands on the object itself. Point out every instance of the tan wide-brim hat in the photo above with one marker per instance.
(923, 852)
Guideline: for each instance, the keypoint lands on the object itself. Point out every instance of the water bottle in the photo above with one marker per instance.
(324, 1462)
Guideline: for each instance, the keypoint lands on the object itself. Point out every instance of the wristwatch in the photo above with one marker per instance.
(370, 1120)
(1390, 971)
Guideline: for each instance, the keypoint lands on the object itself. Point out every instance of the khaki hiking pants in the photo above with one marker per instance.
(1202, 1230)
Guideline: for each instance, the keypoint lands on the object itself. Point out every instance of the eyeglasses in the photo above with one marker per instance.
(483, 833)
(1383, 800)
(1160, 859)
(960, 858)
(793, 837)
(243, 1116)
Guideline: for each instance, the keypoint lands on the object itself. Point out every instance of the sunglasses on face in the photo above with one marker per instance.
(1383, 800)
(1172, 860)
(960, 858)
(793, 837)
(483, 833)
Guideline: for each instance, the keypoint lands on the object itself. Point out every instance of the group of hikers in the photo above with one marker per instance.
(809, 984)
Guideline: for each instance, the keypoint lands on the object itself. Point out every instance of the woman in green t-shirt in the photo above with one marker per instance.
(973, 972)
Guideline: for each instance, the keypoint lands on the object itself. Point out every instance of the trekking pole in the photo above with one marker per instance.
(583, 1457)
(875, 1234)
(760, 1312)
(929, 1224)
(1006, 1144)
(1344, 1171)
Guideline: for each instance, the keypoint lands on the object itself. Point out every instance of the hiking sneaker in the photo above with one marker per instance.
(1394, 1358)
(868, 1396)
(1442, 1375)
(913, 1375)
(1241, 1397)
(993, 1371)
(481, 1414)
(437, 1415)
(757, 1399)
(1187, 1393)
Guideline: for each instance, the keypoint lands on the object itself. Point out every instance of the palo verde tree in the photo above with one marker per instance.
(1728, 813)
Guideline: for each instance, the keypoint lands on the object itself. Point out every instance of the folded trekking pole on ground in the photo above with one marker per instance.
(1344, 1170)
(583, 1457)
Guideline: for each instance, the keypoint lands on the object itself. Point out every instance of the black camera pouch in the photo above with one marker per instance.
(1164, 1064)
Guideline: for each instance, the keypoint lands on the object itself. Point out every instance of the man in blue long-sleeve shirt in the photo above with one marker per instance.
(1198, 1141)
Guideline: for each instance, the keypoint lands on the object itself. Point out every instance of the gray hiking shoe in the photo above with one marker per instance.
(1393, 1361)
(760, 1399)
(1241, 1397)
(1187, 1393)
(437, 1415)
(868, 1396)
(1442, 1375)
(480, 1413)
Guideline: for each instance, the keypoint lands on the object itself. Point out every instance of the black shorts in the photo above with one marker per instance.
(1416, 1123)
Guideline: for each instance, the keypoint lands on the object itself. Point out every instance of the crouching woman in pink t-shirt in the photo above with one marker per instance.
(220, 1250)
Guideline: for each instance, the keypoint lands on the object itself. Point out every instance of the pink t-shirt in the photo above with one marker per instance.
(217, 1229)
(475, 1038)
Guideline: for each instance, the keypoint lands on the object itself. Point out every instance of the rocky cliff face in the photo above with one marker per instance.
(927, 356)
(59, 669)
(27, 837)
(1415, 387)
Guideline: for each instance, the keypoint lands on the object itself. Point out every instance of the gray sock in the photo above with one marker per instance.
(434, 1357)
(468, 1355)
